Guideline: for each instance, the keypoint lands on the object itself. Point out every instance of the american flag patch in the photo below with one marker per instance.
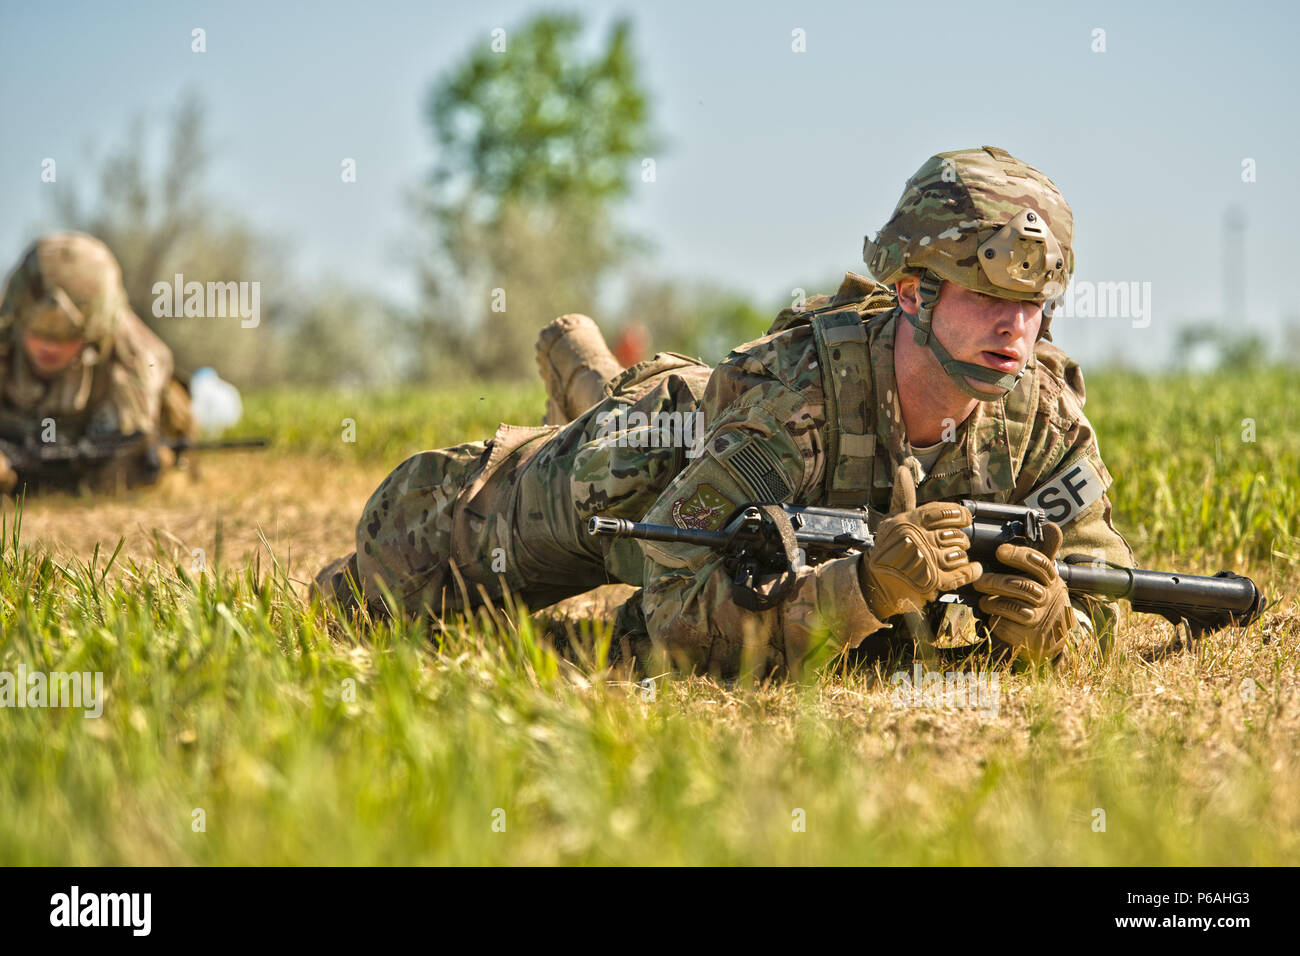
(758, 473)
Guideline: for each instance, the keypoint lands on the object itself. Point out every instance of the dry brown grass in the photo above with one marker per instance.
(232, 506)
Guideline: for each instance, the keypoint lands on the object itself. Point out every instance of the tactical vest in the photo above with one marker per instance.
(857, 471)
(849, 391)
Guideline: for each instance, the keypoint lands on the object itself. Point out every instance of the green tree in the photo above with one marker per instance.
(535, 121)
(537, 142)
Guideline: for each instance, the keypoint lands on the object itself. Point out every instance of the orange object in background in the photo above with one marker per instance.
(632, 345)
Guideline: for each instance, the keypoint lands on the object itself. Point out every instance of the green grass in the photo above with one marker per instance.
(385, 426)
(304, 741)
(1188, 480)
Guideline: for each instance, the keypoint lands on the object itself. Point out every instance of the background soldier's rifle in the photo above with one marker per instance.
(69, 465)
(765, 544)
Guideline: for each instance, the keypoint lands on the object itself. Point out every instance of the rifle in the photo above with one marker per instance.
(68, 465)
(753, 545)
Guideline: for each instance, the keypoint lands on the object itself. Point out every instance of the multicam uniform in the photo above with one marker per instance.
(69, 286)
(512, 511)
(775, 429)
(808, 414)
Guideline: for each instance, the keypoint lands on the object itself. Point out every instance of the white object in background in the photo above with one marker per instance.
(216, 402)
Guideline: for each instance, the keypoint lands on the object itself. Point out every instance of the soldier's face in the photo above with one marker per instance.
(49, 357)
(986, 330)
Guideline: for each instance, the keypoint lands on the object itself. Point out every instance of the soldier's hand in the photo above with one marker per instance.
(8, 477)
(919, 553)
(1030, 611)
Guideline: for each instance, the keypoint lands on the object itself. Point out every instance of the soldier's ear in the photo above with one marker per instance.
(909, 296)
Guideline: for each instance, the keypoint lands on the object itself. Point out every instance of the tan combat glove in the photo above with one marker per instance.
(919, 553)
(1031, 612)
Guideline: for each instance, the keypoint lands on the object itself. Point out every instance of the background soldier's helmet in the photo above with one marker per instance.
(67, 286)
(987, 221)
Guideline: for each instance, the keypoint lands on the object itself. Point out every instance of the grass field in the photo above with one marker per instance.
(238, 727)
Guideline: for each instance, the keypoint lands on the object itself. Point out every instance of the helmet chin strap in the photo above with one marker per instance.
(923, 321)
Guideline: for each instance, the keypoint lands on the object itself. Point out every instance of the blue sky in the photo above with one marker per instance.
(775, 163)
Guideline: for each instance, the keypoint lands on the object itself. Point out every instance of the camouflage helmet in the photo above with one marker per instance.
(67, 286)
(990, 223)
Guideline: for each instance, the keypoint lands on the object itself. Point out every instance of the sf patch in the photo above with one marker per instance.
(705, 509)
(1074, 488)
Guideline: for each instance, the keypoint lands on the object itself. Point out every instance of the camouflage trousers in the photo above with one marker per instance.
(452, 529)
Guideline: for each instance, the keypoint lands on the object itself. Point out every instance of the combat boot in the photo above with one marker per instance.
(575, 363)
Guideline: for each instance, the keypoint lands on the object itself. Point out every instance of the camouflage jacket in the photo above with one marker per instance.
(775, 434)
(129, 390)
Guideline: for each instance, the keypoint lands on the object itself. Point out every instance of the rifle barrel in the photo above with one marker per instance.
(1147, 590)
(219, 444)
(622, 528)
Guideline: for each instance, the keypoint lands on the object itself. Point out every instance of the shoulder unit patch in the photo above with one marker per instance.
(705, 509)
